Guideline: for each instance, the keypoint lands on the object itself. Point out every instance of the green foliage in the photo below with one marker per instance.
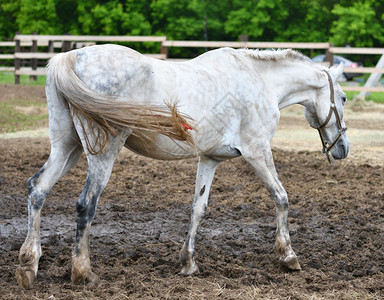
(8, 12)
(112, 18)
(190, 20)
(357, 23)
(255, 18)
(310, 23)
(179, 19)
(37, 16)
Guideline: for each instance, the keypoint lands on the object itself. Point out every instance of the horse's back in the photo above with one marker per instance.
(113, 69)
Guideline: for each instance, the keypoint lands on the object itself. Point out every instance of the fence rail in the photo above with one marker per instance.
(363, 70)
(218, 44)
(350, 50)
(89, 38)
(29, 71)
(26, 48)
(363, 89)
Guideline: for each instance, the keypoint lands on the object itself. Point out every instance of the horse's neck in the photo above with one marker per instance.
(294, 83)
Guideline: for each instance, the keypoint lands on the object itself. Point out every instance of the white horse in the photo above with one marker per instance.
(102, 98)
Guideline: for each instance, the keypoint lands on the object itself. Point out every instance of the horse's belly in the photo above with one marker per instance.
(162, 148)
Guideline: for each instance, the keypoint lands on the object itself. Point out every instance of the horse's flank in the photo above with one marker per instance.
(107, 114)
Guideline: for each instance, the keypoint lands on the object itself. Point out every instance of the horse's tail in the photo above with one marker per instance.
(104, 114)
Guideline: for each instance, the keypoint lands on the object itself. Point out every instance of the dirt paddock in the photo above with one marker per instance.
(336, 222)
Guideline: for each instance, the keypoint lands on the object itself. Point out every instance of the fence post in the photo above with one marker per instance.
(34, 60)
(244, 38)
(164, 49)
(17, 60)
(51, 47)
(66, 46)
(329, 55)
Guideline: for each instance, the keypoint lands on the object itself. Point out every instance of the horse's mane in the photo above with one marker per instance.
(276, 55)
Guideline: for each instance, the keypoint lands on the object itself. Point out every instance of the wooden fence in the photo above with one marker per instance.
(11, 48)
(375, 72)
(26, 48)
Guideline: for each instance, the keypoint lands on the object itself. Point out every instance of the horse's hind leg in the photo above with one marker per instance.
(64, 154)
(99, 171)
(205, 172)
(260, 157)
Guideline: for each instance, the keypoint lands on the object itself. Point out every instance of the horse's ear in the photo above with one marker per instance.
(336, 71)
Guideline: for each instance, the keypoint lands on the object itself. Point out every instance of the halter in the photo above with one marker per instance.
(327, 148)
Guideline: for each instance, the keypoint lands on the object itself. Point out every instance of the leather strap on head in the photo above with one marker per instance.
(327, 148)
(332, 98)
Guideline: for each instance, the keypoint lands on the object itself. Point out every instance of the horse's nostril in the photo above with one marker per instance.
(346, 150)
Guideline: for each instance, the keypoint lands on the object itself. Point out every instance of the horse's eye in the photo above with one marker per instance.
(344, 99)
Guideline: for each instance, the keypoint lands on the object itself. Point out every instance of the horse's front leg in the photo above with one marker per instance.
(205, 172)
(265, 169)
(283, 246)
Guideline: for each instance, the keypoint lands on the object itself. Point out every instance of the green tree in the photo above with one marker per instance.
(358, 24)
(258, 19)
(8, 13)
(190, 20)
(38, 16)
(67, 16)
(180, 19)
(307, 21)
(111, 18)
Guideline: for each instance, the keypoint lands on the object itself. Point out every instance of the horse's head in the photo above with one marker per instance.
(327, 115)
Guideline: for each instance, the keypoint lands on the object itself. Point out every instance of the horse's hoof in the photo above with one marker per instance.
(25, 277)
(90, 279)
(291, 262)
(189, 269)
(93, 280)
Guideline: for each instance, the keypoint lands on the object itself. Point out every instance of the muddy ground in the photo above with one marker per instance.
(336, 223)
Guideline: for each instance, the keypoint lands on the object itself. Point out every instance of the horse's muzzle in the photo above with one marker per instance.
(341, 149)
